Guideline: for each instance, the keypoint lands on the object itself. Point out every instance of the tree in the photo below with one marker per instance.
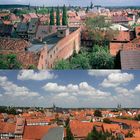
(62, 64)
(106, 120)
(69, 135)
(52, 17)
(99, 29)
(9, 62)
(91, 5)
(64, 17)
(137, 118)
(80, 61)
(98, 113)
(87, 9)
(100, 58)
(129, 134)
(99, 135)
(57, 16)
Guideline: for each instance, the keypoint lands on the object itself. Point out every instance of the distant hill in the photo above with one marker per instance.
(9, 6)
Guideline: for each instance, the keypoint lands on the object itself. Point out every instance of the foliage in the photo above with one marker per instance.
(58, 16)
(137, 118)
(80, 61)
(52, 17)
(9, 110)
(20, 12)
(62, 64)
(99, 135)
(64, 17)
(106, 120)
(42, 11)
(99, 29)
(129, 134)
(87, 9)
(91, 5)
(98, 113)
(9, 62)
(32, 67)
(98, 58)
(69, 135)
(67, 122)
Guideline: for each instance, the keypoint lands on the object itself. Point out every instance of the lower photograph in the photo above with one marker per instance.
(70, 105)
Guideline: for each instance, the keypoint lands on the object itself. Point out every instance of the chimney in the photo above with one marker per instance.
(62, 32)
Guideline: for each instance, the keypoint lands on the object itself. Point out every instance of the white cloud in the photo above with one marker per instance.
(32, 75)
(14, 90)
(137, 88)
(102, 72)
(63, 94)
(83, 89)
(124, 91)
(54, 87)
(115, 79)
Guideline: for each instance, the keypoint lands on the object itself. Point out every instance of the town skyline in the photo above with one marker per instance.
(74, 2)
(102, 88)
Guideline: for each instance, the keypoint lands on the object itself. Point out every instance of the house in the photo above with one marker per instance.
(62, 44)
(27, 54)
(121, 19)
(56, 133)
(28, 30)
(6, 30)
(38, 132)
(7, 130)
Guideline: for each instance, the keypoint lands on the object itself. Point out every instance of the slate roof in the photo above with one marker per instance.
(130, 59)
(54, 134)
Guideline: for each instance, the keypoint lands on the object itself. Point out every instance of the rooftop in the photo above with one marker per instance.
(54, 134)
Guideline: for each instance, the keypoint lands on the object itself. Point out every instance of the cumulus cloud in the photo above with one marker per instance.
(11, 89)
(102, 72)
(32, 75)
(137, 88)
(81, 89)
(115, 79)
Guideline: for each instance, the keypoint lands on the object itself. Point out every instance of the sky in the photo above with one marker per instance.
(74, 2)
(91, 88)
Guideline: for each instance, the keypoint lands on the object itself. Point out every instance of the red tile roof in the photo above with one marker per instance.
(37, 131)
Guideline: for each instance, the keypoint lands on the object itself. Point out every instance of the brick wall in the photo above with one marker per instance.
(64, 48)
(137, 30)
(42, 58)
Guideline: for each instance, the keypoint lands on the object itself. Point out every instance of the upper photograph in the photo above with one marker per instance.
(70, 34)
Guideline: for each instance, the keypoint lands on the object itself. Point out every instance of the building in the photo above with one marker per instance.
(27, 54)
(62, 44)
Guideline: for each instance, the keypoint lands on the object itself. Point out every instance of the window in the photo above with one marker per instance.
(61, 32)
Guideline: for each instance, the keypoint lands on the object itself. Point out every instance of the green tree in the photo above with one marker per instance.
(129, 134)
(9, 62)
(100, 58)
(106, 120)
(87, 9)
(80, 61)
(99, 135)
(52, 17)
(91, 5)
(137, 118)
(62, 64)
(64, 17)
(58, 16)
(100, 30)
(69, 135)
(98, 113)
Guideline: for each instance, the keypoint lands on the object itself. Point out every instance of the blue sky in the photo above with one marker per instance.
(74, 2)
(92, 88)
